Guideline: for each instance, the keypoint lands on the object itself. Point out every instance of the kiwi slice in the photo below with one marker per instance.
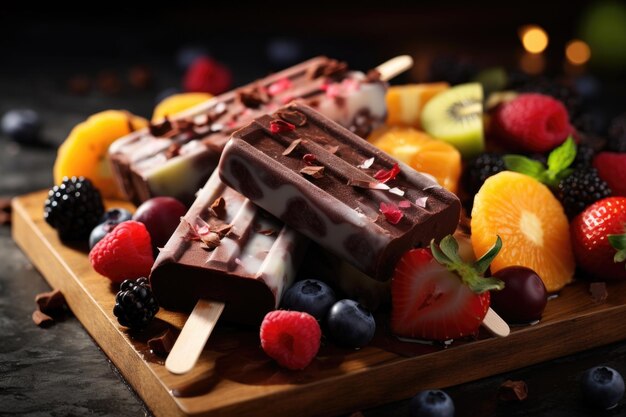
(456, 116)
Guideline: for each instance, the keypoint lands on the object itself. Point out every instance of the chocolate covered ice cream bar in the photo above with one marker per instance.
(227, 250)
(337, 189)
(175, 157)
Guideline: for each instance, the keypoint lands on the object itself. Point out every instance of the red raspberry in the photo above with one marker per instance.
(611, 168)
(291, 338)
(532, 123)
(124, 253)
(208, 76)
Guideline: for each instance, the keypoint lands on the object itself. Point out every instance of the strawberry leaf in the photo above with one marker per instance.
(483, 263)
(450, 248)
(619, 244)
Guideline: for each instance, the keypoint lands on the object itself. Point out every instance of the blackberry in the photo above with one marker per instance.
(135, 306)
(581, 189)
(617, 134)
(481, 168)
(73, 208)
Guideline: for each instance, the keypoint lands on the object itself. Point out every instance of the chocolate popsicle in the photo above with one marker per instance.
(227, 250)
(320, 179)
(176, 157)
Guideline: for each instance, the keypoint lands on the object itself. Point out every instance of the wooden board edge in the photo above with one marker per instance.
(58, 274)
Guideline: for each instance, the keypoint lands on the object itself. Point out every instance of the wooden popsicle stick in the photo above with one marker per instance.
(394, 67)
(494, 323)
(193, 337)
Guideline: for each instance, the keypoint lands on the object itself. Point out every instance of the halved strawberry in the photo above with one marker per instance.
(435, 295)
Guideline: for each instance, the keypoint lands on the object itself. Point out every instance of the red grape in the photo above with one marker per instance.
(524, 296)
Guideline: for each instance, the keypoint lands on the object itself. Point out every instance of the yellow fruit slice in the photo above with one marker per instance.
(177, 103)
(405, 102)
(531, 223)
(422, 153)
(85, 151)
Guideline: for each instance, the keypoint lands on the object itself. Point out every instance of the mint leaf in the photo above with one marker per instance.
(526, 166)
(619, 244)
(562, 157)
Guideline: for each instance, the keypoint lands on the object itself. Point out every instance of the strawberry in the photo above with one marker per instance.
(611, 168)
(599, 239)
(435, 295)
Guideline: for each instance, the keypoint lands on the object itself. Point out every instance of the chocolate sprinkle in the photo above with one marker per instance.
(598, 291)
(162, 345)
(160, 129)
(372, 76)
(332, 68)
(254, 98)
(313, 171)
(218, 208)
(291, 147)
(41, 319)
(50, 301)
(294, 117)
(513, 391)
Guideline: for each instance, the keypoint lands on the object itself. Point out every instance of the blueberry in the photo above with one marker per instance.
(117, 216)
(310, 296)
(602, 386)
(109, 220)
(431, 403)
(21, 125)
(350, 324)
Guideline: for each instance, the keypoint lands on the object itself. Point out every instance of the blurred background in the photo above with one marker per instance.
(67, 66)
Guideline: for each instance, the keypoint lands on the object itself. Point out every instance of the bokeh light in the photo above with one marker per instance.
(577, 52)
(534, 39)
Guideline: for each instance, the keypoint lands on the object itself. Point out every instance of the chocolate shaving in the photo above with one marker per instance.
(267, 232)
(292, 116)
(160, 129)
(291, 147)
(5, 211)
(397, 191)
(254, 98)
(218, 208)
(173, 150)
(52, 301)
(223, 230)
(162, 345)
(332, 149)
(313, 171)
(332, 68)
(421, 202)
(513, 391)
(41, 319)
(372, 76)
(598, 291)
(369, 184)
(367, 163)
(211, 240)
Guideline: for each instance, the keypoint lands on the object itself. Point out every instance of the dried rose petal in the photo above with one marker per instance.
(383, 175)
(280, 126)
(218, 208)
(313, 171)
(309, 158)
(279, 86)
(391, 212)
(367, 163)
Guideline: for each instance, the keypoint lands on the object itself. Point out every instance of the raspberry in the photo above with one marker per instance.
(291, 338)
(124, 253)
(611, 168)
(532, 123)
(208, 76)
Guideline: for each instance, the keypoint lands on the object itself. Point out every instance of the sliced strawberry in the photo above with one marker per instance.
(439, 297)
(611, 168)
(599, 239)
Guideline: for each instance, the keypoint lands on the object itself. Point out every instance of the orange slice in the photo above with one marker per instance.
(85, 151)
(422, 153)
(177, 103)
(405, 102)
(531, 223)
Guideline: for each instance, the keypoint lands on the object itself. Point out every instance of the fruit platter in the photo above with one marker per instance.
(273, 249)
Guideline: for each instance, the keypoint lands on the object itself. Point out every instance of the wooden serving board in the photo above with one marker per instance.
(234, 377)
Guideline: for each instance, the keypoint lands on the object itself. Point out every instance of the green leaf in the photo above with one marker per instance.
(619, 243)
(450, 247)
(483, 263)
(562, 157)
(524, 165)
(439, 256)
(487, 284)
